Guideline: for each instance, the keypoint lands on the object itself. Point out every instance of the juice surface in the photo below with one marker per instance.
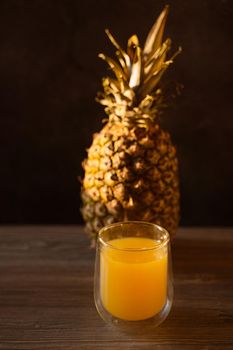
(133, 284)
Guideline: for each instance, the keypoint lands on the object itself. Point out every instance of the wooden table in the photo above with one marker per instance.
(46, 298)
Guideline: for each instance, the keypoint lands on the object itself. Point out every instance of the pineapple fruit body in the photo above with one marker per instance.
(131, 171)
(131, 174)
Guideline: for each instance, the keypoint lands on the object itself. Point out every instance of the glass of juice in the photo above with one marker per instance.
(133, 274)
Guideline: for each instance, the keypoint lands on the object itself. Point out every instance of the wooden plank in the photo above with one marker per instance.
(46, 297)
(69, 345)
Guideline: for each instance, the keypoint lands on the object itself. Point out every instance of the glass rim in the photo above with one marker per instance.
(165, 239)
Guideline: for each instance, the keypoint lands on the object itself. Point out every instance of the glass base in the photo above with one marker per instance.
(140, 325)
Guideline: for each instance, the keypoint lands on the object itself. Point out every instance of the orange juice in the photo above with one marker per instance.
(133, 277)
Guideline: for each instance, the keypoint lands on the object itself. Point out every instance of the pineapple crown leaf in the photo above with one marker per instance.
(137, 71)
(155, 36)
(122, 55)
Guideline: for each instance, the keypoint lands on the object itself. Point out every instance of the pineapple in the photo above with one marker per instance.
(131, 172)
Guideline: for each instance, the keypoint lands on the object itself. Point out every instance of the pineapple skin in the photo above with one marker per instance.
(131, 173)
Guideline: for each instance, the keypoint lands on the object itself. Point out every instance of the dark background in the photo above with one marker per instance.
(49, 76)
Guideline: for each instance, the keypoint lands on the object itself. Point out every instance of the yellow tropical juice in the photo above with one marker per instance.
(133, 278)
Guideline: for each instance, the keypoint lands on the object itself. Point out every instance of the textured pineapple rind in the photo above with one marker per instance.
(131, 173)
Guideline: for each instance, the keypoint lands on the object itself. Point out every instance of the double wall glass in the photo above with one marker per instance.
(133, 282)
